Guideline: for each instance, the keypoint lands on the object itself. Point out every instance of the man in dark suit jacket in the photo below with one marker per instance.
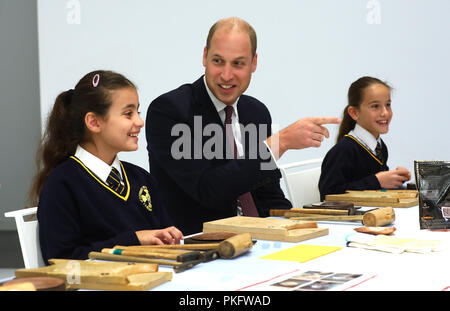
(198, 181)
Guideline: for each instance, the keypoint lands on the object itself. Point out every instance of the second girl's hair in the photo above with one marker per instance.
(355, 96)
(65, 125)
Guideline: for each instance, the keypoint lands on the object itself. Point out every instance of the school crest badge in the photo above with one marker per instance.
(144, 197)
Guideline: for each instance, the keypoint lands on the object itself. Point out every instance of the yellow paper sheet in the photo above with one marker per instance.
(302, 253)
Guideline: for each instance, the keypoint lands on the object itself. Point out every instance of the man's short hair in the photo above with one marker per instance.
(232, 23)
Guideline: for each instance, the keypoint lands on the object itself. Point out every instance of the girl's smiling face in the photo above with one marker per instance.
(374, 113)
(122, 124)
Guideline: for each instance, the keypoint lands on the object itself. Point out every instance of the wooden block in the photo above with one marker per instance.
(278, 212)
(267, 228)
(300, 211)
(41, 283)
(392, 198)
(316, 212)
(98, 274)
(401, 203)
(22, 287)
(135, 282)
(330, 217)
(401, 194)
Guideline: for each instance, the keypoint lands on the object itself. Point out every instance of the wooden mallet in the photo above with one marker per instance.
(149, 253)
(379, 217)
(375, 218)
(177, 266)
(229, 248)
(235, 246)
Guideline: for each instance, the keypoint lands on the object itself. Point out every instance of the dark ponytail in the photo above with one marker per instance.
(65, 125)
(355, 96)
(347, 124)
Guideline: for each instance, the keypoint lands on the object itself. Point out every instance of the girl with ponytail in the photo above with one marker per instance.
(87, 198)
(358, 161)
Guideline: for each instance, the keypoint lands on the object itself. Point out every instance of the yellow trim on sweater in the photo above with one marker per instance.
(103, 184)
(373, 156)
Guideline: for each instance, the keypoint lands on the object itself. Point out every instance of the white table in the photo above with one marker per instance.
(382, 271)
(387, 271)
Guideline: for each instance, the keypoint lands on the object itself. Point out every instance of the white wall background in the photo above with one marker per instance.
(310, 51)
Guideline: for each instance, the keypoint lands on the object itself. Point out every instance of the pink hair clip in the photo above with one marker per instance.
(96, 80)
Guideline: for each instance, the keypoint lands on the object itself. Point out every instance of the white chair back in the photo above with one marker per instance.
(28, 236)
(302, 185)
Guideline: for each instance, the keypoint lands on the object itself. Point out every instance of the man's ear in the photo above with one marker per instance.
(353, 112)
(254, 62)
(205, 53)
(92, 122)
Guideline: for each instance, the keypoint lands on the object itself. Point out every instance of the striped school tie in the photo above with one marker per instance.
(113, 181)
(378, 152)
(244, 201)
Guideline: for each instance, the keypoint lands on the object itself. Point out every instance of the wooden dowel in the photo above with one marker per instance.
(117, 251)
(177, 266)
(299, 211)
(190, 255)
(317, 212)
(112, 257)
(199, 246)
(330, 217)
(160, 250)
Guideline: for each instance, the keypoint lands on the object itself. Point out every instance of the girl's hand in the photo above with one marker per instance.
(394, 178)
(170, 235)
(403, 171)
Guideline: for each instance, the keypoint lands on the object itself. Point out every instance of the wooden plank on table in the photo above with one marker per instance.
(366, 197)
(330, 218)
(376, 198)
(278, 212)
(100, 274)
(267, 228)
(401, 194)
(401, 203)
(136, 282)
(315, 212)
(301, 211)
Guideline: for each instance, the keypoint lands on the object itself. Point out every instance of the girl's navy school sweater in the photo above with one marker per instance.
(349, 165)
(78, 213)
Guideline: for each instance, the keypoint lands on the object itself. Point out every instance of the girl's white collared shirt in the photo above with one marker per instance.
(365, 137)
(97, 166)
